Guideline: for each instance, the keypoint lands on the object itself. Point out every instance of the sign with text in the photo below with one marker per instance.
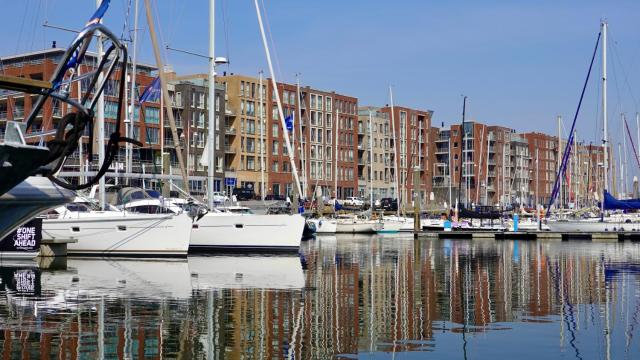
(25, 238)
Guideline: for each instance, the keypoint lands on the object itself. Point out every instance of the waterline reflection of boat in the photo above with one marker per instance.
(227, 271)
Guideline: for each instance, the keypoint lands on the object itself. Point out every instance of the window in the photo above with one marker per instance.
(201, 100)
(275, 148)
(328, 107)
(251, 127)
(110, 109)
(320, 102)
(275, 168)
(201, 120)
(251, 145)
(274, 113)
(274, 130)
(152, 135)
(329, 138)
(313, 101)
(152, 115)
(251, 165)
(136, 132)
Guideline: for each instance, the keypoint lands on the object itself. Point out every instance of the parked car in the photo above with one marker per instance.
(353, 201)
(389, 204)
(243, 194)
(219, 197)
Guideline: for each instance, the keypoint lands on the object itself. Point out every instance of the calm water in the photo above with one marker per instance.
(345, 297)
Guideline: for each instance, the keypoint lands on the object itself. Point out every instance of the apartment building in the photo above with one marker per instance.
(543, 150)
(245, 132)
(40, 65)
(376, 171)
(412, 131)
(327, 146)
(190, 105)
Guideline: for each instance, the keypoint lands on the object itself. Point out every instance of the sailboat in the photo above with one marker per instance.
(229, 231)
(23, 195)
(605, 223)
(394, 223)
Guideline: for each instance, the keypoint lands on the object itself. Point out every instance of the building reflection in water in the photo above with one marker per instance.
(357, 295)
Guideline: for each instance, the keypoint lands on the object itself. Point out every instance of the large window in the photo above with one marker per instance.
(153, 135)
(275, 148)
(152, 115)
(110, 109)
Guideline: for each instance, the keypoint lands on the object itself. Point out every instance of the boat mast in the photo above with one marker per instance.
(165, 94)
(335, 174)
(449, 171)
(302, 152)
(395, 151)
(370, 162)
(132, 99)
(626, 169)
(638, 130)
(262, 143)
(274, 82)
(486, 181)
(560, 152)
(211, 104)
(463, 136)
(605, 144)
(100, 118)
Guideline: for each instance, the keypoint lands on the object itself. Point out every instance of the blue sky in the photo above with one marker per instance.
(521, 63)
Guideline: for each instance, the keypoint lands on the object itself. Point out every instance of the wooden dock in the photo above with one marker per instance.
(610, 236)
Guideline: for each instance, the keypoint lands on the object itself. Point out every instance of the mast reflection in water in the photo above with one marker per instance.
(342, 297)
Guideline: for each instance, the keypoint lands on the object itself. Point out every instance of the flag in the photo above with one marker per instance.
(78, 55)
(289, 122)
(100, 11)
(152, 92)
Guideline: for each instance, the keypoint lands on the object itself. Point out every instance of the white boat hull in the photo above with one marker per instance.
(248, 232)
(592, 226)
(325, 226)
(387, 226)
(123, 235)
(355, 227)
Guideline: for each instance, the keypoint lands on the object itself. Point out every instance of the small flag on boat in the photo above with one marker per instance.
(78, 54)
(100, 11)
(152, 92)
(289, 122)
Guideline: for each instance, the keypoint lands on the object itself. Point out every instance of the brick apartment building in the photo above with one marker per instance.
(40, 65)
(413, 131)
(326, 117)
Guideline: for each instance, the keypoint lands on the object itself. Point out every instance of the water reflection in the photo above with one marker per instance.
(357, 295)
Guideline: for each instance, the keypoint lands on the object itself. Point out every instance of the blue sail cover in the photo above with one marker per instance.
(611, 203)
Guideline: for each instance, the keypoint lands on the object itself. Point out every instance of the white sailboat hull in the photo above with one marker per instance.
(237, 232)
(122, 235)
(355, 227)
(325, 226)
(388, 226)
(407, 222)
(592, 226)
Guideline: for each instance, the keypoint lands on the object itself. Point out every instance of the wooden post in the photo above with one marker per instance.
(416, 200)
(165, 94)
